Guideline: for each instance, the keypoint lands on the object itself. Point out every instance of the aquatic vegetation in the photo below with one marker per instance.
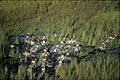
(94, 24)
(41, 58)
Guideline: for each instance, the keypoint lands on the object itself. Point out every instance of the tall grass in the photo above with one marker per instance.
(108, 69)
(91, 21)
(87, 20)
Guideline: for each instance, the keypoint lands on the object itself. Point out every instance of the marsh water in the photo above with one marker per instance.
(14, 57)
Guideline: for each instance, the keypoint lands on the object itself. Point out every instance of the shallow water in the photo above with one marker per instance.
(51, 63)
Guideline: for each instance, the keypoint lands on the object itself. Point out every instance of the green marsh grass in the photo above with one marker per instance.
(90, 21)
(108, 69)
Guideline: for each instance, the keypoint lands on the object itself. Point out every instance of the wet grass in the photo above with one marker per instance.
(90, 70)
(90, 21)
(108, 69)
